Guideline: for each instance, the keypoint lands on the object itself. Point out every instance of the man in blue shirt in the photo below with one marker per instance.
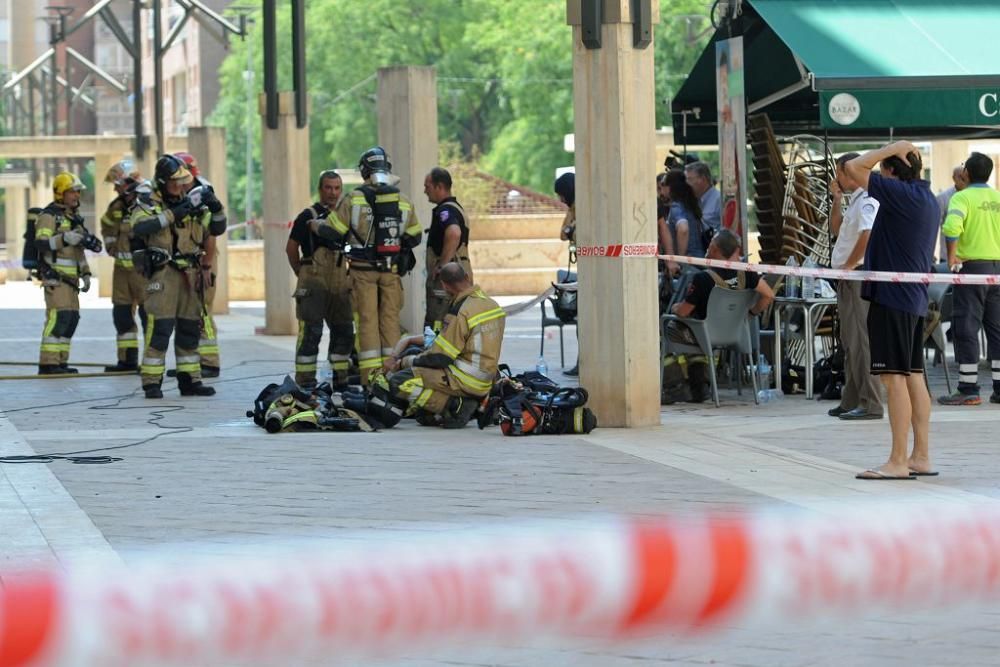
(902, 239)
(699, 177)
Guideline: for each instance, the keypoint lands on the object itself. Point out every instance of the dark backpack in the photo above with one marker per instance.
(532, 403)
(29, 254)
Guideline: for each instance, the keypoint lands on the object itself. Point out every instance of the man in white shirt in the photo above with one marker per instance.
(860, 398)
(699, 177)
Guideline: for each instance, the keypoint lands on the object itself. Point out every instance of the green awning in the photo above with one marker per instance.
(855, 68)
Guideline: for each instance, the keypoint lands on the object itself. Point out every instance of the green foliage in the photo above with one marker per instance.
(505, 92)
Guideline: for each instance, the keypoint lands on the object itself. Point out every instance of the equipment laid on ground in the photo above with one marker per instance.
(288, 407)
(531, 403)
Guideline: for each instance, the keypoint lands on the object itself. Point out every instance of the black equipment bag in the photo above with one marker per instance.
(531, 403)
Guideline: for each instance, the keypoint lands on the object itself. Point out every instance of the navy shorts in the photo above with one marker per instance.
(896, 339)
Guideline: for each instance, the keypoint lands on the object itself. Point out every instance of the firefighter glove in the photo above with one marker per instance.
(85, 283)
(148, 226)
(72, 237)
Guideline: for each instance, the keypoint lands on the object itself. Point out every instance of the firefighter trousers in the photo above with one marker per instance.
(378, 298)
(172, 301)
(208, 337)
(323, 294)
(62, 314)
(128, 293)
(424, 389)
(437, 299)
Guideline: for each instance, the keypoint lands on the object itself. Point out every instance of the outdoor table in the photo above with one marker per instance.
(813, 310)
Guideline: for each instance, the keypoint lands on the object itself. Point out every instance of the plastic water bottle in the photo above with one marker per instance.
(792, 282)
(429, 337)
(809, 282)
(764, 373)
(541, 367)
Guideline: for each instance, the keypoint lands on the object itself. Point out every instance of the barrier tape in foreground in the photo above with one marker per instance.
(650, 250)
(613, 578)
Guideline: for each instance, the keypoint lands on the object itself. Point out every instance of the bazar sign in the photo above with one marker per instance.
(909, 108)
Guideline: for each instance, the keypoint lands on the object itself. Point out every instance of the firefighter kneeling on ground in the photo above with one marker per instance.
(445, 383)
(128, 291)
(63, 270)
(175, 230)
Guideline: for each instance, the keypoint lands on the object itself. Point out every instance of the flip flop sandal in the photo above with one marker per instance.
(878, 476)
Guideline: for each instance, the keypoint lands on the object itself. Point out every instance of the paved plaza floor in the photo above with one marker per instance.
(199, 473)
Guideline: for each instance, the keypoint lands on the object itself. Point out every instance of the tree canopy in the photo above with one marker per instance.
(504, 70)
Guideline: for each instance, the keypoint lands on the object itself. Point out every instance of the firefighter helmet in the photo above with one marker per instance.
(170, 168)
(64, 182)
(374, 160)
(122, 173)
(189, 162)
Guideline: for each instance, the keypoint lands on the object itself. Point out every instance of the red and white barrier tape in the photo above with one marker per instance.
(650, 250)
(842, 274)
(614, 578)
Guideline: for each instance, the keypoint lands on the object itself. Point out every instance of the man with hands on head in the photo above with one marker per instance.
(902, 239)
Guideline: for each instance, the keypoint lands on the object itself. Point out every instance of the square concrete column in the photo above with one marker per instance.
(15, 222)
(102, 267)
(615, 130)
(208, 146)
(285, 158)
(406, 104)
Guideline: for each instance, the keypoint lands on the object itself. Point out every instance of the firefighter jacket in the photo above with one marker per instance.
(183, 240)
(116, 229)
(468, 348)
(365, 221)
(70, 262)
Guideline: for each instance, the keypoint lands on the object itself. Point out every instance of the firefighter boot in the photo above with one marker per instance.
(675, 389)
(697, 369)
(189, 387)
(459, 411)
(152, 390)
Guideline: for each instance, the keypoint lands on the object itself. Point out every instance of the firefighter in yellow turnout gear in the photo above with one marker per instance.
(381, 227)
(63, 270)
(208, 341)
(450, 379)
(174, 229)
(323, 289)
(128, 291)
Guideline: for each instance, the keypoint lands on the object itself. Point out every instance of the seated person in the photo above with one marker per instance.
(725, 245)
(446, 382)
(684, 219)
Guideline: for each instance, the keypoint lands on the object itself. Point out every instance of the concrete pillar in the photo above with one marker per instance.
(22, 49)
(208, 146)
(102, 267)
(406, 104)
(945, 156)
(285, 156)
(15, 221)
(616, 204)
